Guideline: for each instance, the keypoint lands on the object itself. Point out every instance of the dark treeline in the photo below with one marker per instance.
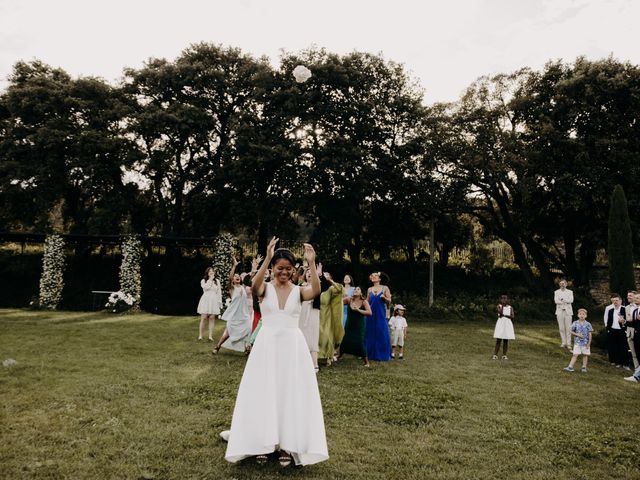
(352, 159)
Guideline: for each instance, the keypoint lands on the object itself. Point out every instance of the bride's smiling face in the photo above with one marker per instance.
(282, 270)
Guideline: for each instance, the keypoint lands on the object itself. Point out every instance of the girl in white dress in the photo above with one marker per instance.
(504, 327)
(278, 404)
(236, 335)
(210, 302)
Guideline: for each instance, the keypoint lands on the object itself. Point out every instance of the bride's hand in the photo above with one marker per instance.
(271, 248)
(309, 253)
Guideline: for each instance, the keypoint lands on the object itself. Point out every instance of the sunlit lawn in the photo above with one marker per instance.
(135, 396)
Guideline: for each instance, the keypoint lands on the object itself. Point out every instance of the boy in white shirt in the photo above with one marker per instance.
(398, 326)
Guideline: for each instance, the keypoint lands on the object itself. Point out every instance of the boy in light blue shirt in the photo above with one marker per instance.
(582, 331)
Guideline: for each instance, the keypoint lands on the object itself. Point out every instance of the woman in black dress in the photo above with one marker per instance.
(354, 329)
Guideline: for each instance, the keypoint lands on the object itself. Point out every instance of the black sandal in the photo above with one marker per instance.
(215, 350)
(285, 459)
(261, 459)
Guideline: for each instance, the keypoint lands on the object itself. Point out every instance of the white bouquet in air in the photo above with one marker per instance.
(301, 73)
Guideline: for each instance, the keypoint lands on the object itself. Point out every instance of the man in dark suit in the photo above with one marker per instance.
(614, 322)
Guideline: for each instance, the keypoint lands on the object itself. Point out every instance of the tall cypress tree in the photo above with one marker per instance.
(620, 249)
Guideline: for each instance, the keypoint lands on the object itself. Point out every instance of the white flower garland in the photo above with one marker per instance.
(130, 276)
(52, 279)
(223, 247)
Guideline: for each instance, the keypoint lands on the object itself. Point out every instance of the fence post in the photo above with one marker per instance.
(432, 250)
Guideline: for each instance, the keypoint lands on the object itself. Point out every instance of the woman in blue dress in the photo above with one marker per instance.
(377, 332)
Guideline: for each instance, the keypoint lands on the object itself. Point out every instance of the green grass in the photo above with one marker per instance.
(136, 397)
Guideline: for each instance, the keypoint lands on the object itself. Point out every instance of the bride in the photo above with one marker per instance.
(278, 404)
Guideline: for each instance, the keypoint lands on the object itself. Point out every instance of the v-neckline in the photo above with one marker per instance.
(278, 298)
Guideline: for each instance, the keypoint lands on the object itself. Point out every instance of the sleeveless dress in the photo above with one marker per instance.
(353, 341)
(278, 403)
(377, 331)
(238, 324)
(504, 326)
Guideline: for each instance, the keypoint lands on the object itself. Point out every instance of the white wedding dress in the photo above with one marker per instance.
(278, 404)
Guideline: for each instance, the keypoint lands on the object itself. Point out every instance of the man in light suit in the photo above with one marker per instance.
(564, 312)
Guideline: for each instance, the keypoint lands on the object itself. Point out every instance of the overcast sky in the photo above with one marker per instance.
(445, 44)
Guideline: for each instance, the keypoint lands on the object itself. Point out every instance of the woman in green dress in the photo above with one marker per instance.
(331, 329)
(354, 329)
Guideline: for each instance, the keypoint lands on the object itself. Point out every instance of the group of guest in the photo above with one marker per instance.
(621, 319)
(622, 322)
(343, 319)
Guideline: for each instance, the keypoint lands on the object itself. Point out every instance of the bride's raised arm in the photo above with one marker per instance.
(257, 284)
(312, 290)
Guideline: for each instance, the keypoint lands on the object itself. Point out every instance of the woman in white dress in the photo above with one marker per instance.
(210, 302)
(278, 404)
(236, 335)
(310, 324)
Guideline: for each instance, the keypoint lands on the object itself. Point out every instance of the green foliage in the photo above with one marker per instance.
(62, 143)
(540, 152)
(217, 140)
(620, 250)
(481, 261)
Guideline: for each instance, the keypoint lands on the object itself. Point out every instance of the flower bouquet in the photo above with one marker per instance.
(119, 302)
(301, 74)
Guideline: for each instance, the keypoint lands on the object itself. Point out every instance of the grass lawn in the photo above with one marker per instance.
(95, 395)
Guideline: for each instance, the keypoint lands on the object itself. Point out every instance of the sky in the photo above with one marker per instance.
(445, 45)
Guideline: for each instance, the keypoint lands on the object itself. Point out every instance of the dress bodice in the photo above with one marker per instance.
(286, 317)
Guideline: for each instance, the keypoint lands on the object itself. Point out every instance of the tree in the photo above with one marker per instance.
(185, 122)
(540, 151)
(486, 154)
(357, 130)
(265, 175)
(451, 232)
(581, 137)
(620, 246)
(62, 148)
